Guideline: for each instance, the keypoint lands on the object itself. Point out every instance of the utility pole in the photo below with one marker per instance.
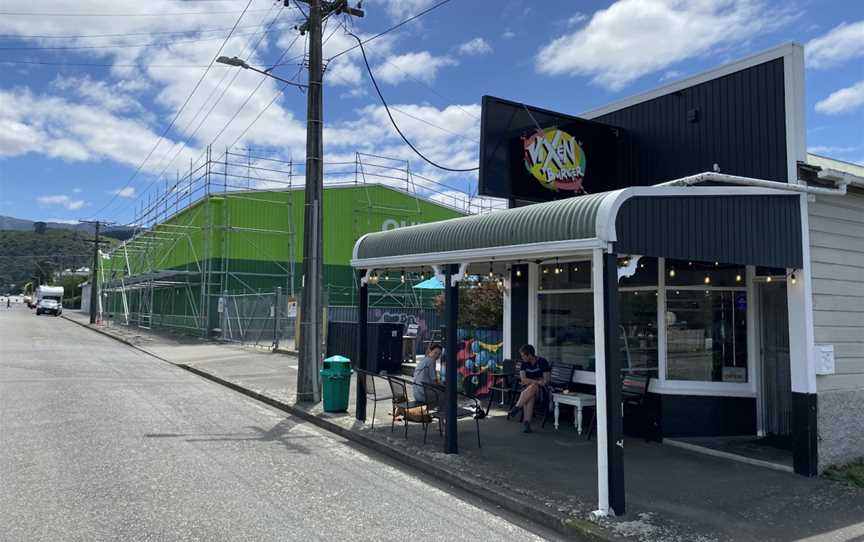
(311, 309)
(94, 277)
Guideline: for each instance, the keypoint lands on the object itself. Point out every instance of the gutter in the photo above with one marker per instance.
(842, 180)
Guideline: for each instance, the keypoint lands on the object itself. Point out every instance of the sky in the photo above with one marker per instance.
(104, 104)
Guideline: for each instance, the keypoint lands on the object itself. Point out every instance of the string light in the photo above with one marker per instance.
(707, 279)
(545, 270)
(491, 273)
(672, 272)
(576, 268)
(387, 275)
(557, 267)
(794, 279)
(716, 264)
(769, 279)
(518, 272)
(738, 278)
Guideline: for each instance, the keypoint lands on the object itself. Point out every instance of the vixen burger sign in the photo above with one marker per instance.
(530, 155)
(555, 159)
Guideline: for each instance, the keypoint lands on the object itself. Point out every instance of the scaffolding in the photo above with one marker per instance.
(177, 271)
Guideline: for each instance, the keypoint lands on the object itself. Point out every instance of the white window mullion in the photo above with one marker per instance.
(661, 319)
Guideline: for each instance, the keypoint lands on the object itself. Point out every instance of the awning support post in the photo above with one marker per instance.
(610, 459)
(362, 361)
(451, 302)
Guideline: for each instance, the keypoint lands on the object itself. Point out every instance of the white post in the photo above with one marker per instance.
(600, 377)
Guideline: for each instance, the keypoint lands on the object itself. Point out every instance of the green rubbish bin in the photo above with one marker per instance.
(336, 383)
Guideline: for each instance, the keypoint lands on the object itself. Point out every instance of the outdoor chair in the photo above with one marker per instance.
(401, 402)
(634, 390)
(467, 406)
(371, 389)
(504, 383)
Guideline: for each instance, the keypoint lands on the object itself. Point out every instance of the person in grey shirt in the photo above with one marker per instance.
(424, 373)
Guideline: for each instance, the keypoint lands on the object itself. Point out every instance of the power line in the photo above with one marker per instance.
(393, 121)
(206, 116)
(124, 34)
(392, 28)
(221, 131)
(163, 14)
(179, 111)
(101, 65)
(128, 45)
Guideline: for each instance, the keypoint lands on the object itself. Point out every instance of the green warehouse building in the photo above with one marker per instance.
(224, 262)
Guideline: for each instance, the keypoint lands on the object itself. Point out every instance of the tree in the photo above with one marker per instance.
(40, 227)
(481, 304)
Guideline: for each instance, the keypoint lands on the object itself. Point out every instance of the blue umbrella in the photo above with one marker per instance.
(431, 283)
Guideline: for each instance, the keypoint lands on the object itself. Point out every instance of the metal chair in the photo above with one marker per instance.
(371, 390)
(400, 400)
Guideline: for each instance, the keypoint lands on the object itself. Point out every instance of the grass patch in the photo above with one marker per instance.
(852, 474)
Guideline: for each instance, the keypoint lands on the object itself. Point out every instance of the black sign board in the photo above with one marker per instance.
(534, 155)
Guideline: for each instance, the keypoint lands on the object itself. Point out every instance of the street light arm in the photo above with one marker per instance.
(240, 63)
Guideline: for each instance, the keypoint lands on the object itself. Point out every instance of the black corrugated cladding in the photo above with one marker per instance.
(745, 230)
(739, 124)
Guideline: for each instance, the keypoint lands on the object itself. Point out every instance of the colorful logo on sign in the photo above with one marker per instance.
(555, 159)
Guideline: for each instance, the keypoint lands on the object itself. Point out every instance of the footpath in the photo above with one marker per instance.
(548, 477)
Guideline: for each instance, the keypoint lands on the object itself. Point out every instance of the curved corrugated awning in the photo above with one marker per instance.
(555, 221)
(757, 226)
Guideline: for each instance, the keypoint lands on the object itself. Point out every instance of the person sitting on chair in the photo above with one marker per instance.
(535, 375)
(424, 373)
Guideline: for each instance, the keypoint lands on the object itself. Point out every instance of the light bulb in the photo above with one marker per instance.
(737, 278)
(794, 279)
(576, 269)
(769, 279)
(545, 270)
(518, 272)
(707, 279)
(671, 272)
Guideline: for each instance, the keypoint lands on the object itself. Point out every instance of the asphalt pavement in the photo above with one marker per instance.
(99, 441)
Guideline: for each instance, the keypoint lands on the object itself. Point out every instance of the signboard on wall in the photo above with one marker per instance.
(534, 155)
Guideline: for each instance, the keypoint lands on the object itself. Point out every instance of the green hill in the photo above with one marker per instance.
(27, 256)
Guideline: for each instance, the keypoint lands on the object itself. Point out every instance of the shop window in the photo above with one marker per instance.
(565, 275)
(712, 274)
(567, 329)
(638, 331)
(644, 274)
(706, 335)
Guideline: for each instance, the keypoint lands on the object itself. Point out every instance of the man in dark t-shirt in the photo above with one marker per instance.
(535, 375)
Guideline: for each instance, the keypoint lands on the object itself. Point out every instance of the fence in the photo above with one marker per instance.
(258, 319)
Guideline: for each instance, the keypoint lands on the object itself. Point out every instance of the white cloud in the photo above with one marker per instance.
(843, 100)
(422, 65)
(844, 42)
(576, 19)
(830, 149)
(125, 192)
(62, 129)
(62, 200)
(508, 34)
(76, 190)
(402, 9)
(671, 74)
(474, 47)
(632, 38)
(99, 93)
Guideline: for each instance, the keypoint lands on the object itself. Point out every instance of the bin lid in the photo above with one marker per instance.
(338, 358)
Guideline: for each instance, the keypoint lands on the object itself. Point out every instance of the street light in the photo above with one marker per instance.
(311, 334)
(240, 63)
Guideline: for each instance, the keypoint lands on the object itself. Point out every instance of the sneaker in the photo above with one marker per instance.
(527, 428)
(514, 412)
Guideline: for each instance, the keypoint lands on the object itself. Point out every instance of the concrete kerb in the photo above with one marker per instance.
(569, 526)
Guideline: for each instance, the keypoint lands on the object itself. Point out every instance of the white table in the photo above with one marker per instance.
(578, 400)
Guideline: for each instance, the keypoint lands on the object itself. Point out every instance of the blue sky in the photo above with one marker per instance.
(82, 104)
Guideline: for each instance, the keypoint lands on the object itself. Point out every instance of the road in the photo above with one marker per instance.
(99, 441)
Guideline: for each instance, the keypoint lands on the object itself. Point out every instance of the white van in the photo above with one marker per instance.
(49, 299)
